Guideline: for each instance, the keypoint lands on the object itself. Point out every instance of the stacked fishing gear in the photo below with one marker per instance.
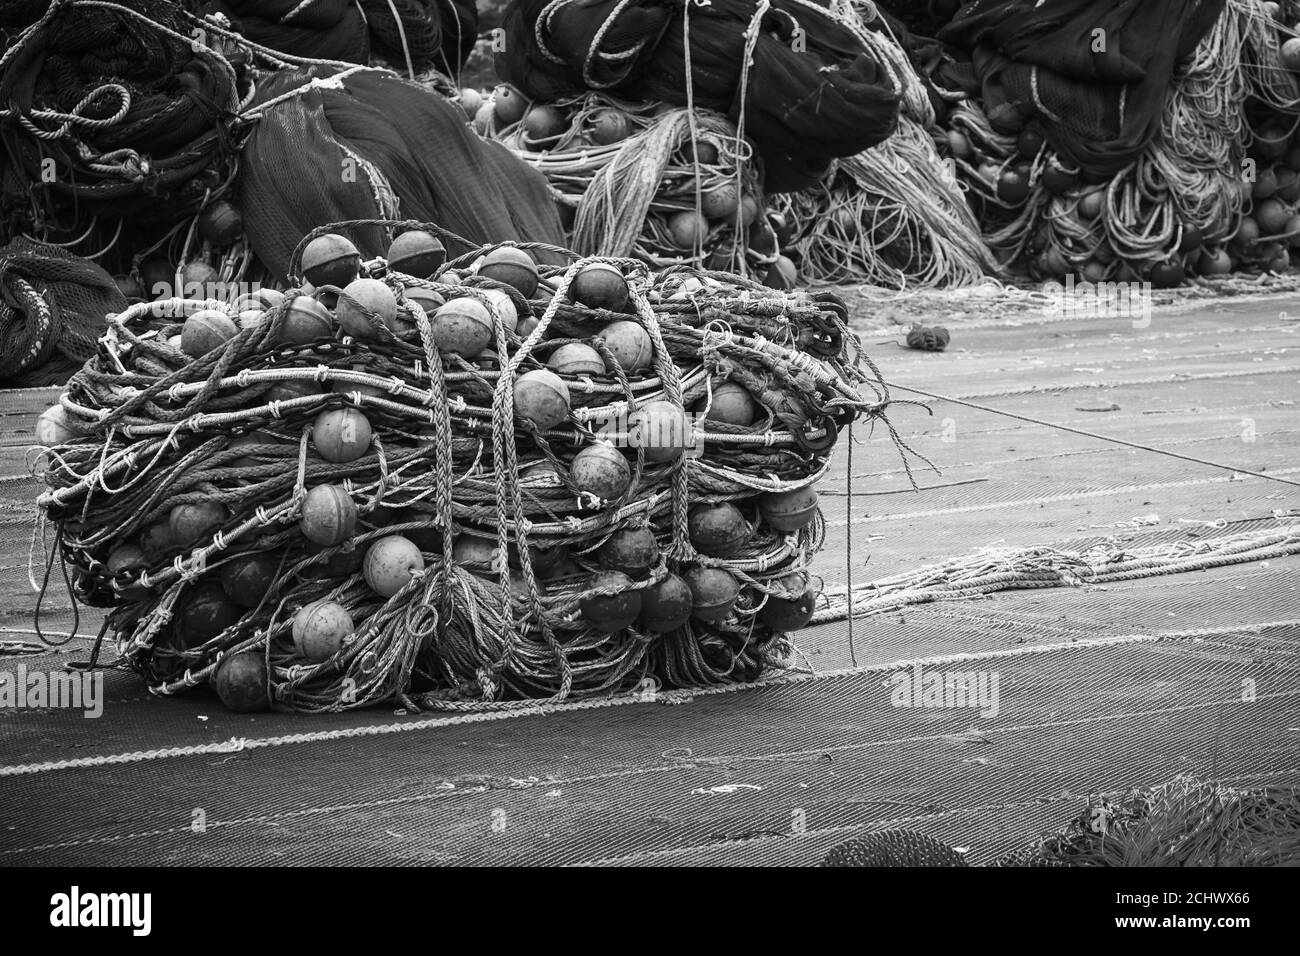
(454, 484)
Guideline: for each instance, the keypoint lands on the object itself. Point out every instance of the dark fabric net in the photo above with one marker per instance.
(1094, 72)
(52, 306)
(336, 141)
(812, 93)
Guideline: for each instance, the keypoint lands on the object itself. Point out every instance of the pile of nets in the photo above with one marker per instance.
(469, 484)
(1186, 822)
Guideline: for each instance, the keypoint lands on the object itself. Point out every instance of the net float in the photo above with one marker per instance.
(601, 470)
(343, 563)
(543, 123)
(667, 605)
(158, 276)
(788, 510)
(718, 530)
(543, 558)
(1029, 143)
(416, 253)
(319, 629)
(526, 325)
(131, 290)
(1056, 179)
(959, 145)
(1013, 187)
(713, 592)
(1271, 214)
(542, 473)
(341, 435)
(599, 285)
(220, 223)
(1093, 271)
(330, 259)
(1291, 54)
(305, 321)
(128, 559)
(503, 307)
(191, 523)
(249, 319)
(204, 614)
(247, 578)
(262, 299)
(1191, 239)
(542, 398)
(721, 202)
(576, 358)
(1288, 184)
(1265, 184)
(634, 551)
(362, 296)
(391, 563)
(509, 104)
(794, 609)
(762, 239)
(1215, 262)
(629, 343)
(174, 341)
(731, 405)
(687, 229)
(426, 299)
(483, 117)
(52, 427)
(609, 613)
(782, 274)
(329, 516)
(291, 389)
(157, 540)
(463, 327)
(470, 100)
(1293, 232)
(198, 277)
(1090, 204)
(478, 554)
(1006, 118)
(662, 430)
(513, 267)
(701, 151)
(1247, 233)
(607, 125)
(749, 210)
(206, 330)
(241, 682)
(782, 226)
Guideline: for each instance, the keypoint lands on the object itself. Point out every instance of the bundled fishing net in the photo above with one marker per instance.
(52, 305)
(498, 499)
(793, 75)
(1186, 822)
(415, 35)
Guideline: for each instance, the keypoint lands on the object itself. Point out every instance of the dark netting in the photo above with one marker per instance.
(51, 304)
(1094, 72)
(338, 140)
(811, 93)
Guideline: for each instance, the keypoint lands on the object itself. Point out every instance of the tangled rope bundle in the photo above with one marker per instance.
(183, 486)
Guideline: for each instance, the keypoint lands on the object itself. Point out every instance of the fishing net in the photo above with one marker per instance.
(364, 144)
(51, 304)
(499, 606)
(794, 76)
(1187, 822)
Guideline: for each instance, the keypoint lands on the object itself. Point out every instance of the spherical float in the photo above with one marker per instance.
(250, 319)
(319, 629)
(1090, 204)
(191, 523)
(713, 592)
(701, 151)
(220, 223)
(1058, 180)
(203, 614)
(478, 554)
(470, 100)
(718, 530)
(1191, 240)
(599, 285)
(305, 321)
(260, 298)
(607, 125)
(792, 609)
(1265, 184)
(291, 389)
(241, 682)
(1291, 54)
(156, 541)
(576, 358)
(509, 104)
(483, 117)
(416, 253)
(782, 274)
(503, 307)
(608, 613)
(206, 330)
(329, 516)
(731, 405)
(126, 559)
(426, 299)
(542, 398)
(52, 427)
(1247, 233)
(1006, 118)
(131, 290)
(749, 210)
(667, 605)
(198, 280)
(341, 434)
(662, 430)
(1271, 214)
(634, 551)
(390, 564)
(1013, 187)
(158, 276)
(512, 266)
(959, 145)
(788, 511)
(363, 296)
(1029, 143)
(629, 343)
(1092, 271)
(601, 470)
(687, 228)
(247, 578)
(1293, 232)
(541, 473)
(463, 327)
(543, 123)
(721, 202)
(330, 259)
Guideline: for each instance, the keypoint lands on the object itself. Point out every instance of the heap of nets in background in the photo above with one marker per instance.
(1186, 822)
(463, 485)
